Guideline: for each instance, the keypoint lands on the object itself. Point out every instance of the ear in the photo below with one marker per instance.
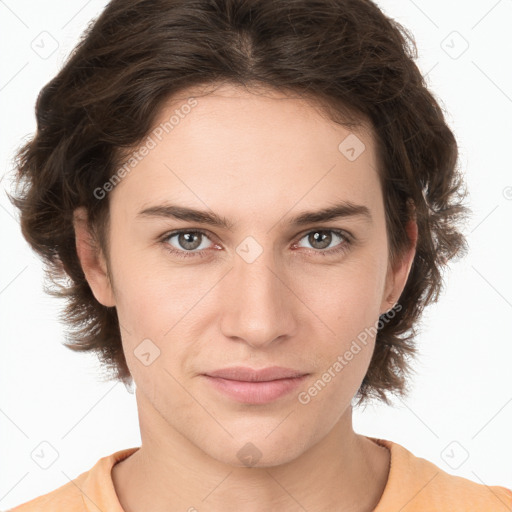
(397, 277)
(92, 259)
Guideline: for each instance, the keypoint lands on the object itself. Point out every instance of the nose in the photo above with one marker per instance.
(259, 303)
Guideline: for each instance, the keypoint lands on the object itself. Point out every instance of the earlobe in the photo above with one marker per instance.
(92, 259)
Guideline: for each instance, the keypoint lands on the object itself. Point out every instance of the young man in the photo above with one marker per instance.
(253, 201)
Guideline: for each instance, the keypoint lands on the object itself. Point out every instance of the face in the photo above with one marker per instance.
(263, 290)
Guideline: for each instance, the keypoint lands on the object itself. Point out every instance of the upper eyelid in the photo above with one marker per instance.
(339, 231)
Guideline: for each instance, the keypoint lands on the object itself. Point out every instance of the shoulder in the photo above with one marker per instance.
(91, 490)
(416, 484)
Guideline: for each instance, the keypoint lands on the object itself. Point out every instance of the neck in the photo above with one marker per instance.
(344, 471)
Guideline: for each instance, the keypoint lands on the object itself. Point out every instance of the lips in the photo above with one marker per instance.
(257, 387)
(245, 374)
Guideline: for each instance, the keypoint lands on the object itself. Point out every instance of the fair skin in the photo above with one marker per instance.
(257, 160)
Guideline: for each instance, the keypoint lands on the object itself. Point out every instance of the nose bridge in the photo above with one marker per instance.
(258, 300)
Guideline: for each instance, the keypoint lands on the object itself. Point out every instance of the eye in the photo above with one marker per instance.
(320, 239)
(187, 241)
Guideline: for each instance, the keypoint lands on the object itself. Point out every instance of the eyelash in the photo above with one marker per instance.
(339, 249)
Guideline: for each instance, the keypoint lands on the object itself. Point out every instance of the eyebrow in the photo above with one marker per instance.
(339, 210)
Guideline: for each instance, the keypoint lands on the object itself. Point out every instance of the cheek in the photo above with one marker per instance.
(339, 377)
(347, 302)
(346, 297)
(144, 305)
(156, 312)
(150, 298)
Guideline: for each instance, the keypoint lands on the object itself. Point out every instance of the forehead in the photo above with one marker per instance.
(257, 151)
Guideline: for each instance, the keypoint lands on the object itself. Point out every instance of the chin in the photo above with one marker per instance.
(259, 450)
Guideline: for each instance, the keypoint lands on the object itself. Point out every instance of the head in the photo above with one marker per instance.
(278, 109)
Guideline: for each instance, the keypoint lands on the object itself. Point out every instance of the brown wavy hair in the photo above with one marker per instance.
(344, 55)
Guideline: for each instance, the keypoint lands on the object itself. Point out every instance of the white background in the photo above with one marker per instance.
(463, 388)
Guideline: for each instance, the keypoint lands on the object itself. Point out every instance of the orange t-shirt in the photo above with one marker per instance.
(414, 484)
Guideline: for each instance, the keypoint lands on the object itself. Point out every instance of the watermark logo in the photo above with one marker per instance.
(351, 147)
(454, 455)
(249, 454)
(44, 455)
(454, 45)
(44, 45)
(249, 249)
(146, 352)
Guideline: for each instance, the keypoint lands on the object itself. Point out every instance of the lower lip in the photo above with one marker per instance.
(255, 392)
